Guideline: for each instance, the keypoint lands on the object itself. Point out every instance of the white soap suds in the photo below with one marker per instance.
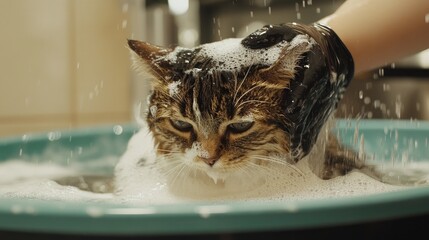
(139, 181)
(231, 55)
(173, 88)
(153, 110)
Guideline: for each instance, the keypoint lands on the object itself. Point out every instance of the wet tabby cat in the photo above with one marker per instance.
(219, 109)
(224, 112)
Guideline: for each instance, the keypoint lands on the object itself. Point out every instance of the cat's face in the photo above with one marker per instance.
(218, 114)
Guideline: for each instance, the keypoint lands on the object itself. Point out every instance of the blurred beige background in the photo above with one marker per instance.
(64, 64)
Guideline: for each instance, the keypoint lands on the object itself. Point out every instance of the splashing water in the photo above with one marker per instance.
(143, 183)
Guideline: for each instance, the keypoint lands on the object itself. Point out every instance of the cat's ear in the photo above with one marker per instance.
(276, 76)
(288, 66)
(149, 58)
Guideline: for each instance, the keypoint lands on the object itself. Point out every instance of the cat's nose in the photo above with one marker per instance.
(210, 161)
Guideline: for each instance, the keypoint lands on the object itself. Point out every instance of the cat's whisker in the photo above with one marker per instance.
(183, 166)
(168, 165)
(260, 170)
(241, 83)
(251, 101)
(244, 169)
(169, 170)
(168, 150)
(244, 94)
(176, 99)
(254, 170)
(263, 172)
(278, 161)
(259, 167)
(186, 172)
(235, 86)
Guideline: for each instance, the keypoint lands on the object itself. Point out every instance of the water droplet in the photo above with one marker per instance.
(393, 66)
(16, 209)
(94, 212)
(383, 108)
(251, 14)
(20, 152)
(317, 10)
(77, 65)
(418, 107)
(124, 23)
(369, 115)
(367, 100)
(117, 129)
(386, 130)
(269, 10)
(398, 106)
(96, 90)
(396, 135)
(404, 159)
(53, 136)
(233, 29)
(25, 137)
(427, 18)
(356, 135)
(386, 87)
(298, 15)
(361, 94)
(377, 103)
(368, 85)
(381, 72)
(362, 147)
(309, 2)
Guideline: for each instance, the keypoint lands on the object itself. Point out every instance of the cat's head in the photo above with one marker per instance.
(219, 108)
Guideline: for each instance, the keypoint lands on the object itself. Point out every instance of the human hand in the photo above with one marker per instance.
(322, 75)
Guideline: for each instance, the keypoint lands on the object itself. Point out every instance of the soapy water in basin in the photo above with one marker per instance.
(144, 184)
(25, 180)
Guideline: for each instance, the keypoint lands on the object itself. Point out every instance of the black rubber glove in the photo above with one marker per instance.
(322, 76)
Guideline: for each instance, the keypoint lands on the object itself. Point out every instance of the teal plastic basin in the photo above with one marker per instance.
(387, 140)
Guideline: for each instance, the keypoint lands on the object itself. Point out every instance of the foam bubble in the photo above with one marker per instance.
(173, 88)
(231, 55)
(153, 110)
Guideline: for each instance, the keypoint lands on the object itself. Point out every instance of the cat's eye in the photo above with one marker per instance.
(181, 125)
(240, 127)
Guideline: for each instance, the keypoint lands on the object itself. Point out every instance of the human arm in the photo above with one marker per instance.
(378, 32)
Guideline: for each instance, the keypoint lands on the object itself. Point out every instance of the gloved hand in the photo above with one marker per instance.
(322, 76)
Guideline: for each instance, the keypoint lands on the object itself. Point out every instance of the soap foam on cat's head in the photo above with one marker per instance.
(230, 55)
